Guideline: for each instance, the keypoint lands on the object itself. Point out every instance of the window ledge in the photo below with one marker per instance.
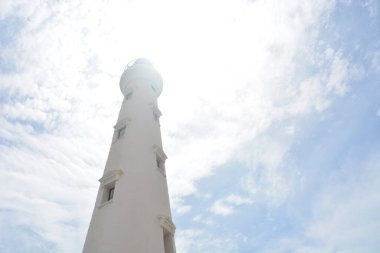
(105, 203)
(123, 123)
(158, 150)
(110, 176)
(166, 223)
(162, 171)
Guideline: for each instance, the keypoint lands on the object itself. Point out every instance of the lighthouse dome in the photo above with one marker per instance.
(140, 69)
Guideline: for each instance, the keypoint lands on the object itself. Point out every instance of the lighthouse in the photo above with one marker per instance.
(132, 209)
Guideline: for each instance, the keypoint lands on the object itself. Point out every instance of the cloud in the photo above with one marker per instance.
(228, 205)
(345, 215)
(229, 81)
(232, 116)
(193, 240)
(372, 8)
(338, 73)
(375, 62)
(183, 209)
(199, 218)
(221, 208)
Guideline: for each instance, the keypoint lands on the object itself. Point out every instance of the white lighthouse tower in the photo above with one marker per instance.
(132, 210)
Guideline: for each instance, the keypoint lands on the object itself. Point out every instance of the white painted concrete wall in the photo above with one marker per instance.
(130, 222)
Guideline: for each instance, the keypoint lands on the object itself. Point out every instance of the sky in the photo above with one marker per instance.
(271, 120)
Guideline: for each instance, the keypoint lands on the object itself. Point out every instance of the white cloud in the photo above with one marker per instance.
(375, 62)
(201, 219)
(195, 240)
(227, 80)
(228, 205)
(338, 75)
(237, 200)
(183, 209)
(345, 215)
(372, 8)
(268, 180)
(219, 207)
(21, 8)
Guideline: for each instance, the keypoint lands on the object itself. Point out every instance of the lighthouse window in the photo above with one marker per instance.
(110, 193)
(129, 95)
(120, 132)
(108, 186)
(158, 162)
(168, 229)
(156, 111)
(120, 129)
(155, 116)
(160, 165)
(168, 242)
(160, 159)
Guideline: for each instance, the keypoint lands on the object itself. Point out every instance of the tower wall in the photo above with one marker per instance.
(137, 217)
